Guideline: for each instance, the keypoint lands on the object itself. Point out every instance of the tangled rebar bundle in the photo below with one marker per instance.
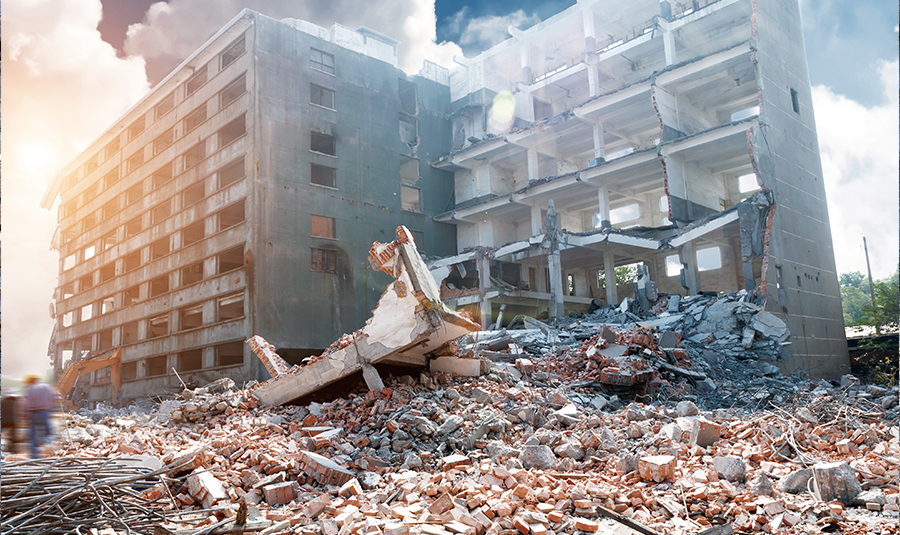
(73, 494)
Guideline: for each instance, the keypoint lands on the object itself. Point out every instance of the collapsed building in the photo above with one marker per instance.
(677, 138)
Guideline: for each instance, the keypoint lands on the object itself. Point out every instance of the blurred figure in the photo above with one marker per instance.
(40, 401)
(10, 407)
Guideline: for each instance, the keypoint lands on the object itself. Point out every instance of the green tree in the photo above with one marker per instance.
(624, 275)
(852, 302)
(855, 279)
(885, 314)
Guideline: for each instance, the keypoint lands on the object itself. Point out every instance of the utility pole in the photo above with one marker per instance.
(871, 284)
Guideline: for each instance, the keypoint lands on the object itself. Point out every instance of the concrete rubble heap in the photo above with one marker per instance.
(537, 445)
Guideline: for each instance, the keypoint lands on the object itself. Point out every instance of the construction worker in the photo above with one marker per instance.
(10, 406)
(40, 401)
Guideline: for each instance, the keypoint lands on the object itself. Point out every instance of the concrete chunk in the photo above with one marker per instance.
(657, 468)
(540, 457)
(835, 481)
(731, 468)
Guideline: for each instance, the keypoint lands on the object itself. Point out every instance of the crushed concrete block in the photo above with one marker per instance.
(706, 385)
(568, 415)
(686, 408)
(608, 334)
(807, 416)
(795, 482)
(671, 431)
(570, 449)
(672, 303)
(835, 481)
(204, 487)
(451, 424)
(761, 485)
(456, 365)
(657, 468)
(540, 457)
(669, 340)
(731, 468)
(704, 433)
(770, 326)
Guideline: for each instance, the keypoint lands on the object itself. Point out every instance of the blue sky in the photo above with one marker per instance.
(72, 67)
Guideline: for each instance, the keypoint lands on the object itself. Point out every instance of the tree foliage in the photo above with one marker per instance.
(885, 313)
(624, 275)
(857, 304)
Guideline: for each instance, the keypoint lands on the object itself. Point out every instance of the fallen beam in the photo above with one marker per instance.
(409, 323)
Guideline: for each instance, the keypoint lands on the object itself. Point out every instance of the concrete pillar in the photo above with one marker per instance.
(208, 357)
(582, 282)
(556, 309)
(603, 205)
(599, 143)
(527, 75)
(690, 277)
(593, 79)
(609, 271)
(482, 179)
(590, 40)
(533, 169)
(536, 220)
(484, 285)
(669, 47)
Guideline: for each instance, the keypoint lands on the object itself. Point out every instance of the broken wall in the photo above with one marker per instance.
(800, 276)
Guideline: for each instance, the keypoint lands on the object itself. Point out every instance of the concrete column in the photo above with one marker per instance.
(208, 357)
(533, 169)
(527, 75)
(690, 277)
(484, 284)
(536, 220)
(557, 309)
(582, 280)
(599, 143)
(669, 46)
(482, 179)
(665, 9)
(590, 40)
(593, 79)
(603, 205)
(609, 271)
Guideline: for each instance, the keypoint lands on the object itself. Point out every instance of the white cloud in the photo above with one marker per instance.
(171, 31)
(859, 146)
(489, 30)
(62, 86)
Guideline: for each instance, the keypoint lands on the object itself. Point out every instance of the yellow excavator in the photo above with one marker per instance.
(111, 358)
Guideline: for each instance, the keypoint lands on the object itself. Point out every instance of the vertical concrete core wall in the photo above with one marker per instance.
(800, 277)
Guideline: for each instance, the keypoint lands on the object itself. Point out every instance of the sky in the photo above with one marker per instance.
(73, 67)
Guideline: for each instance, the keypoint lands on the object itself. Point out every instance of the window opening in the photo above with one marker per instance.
(130, 333)
(231, 173)
(87, 312)
(231, 259)
(195, 155)
(230, 307)
(132, 261)
(191, 274)
(196, 81)
(232, 91)
(190, 360)
(231, 216)
(322, 143)
(191, 317)
(193, 233)
(233, 52)
(409, 171)
(112, 148)
(166, 105)
(159, 248)
(322, 226)
(321, 61)
(157, 366)
(163, 175)
(410, 198)
(131, 295)
(708, 259)
(323, 260)
(159, 213)
(323, 176)
(193, 194)
(230, 354)
(232, 131)
(107, 272)
(321, 96)
(159, 286)
(195, 118)
(158, 326)
(136, 127)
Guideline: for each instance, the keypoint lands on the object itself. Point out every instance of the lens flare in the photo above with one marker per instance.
(502, 112)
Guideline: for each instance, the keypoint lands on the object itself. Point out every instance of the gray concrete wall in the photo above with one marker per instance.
(296, 307)
(806, 294)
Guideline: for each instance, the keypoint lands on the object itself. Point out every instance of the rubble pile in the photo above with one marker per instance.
(536, 446)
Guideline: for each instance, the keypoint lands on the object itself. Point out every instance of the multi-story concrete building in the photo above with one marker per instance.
(240, 197)
(679, 136)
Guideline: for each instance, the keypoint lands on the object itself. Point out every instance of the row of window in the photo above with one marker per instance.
(226, 135)
(227, 354)
(167, 104)
(225, 262)
(228, 217)
(227, 175)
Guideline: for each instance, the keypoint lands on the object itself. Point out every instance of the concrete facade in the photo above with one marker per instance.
(679, 137)
(240, 197)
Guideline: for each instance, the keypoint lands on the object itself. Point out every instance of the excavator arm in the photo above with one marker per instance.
(112, 358)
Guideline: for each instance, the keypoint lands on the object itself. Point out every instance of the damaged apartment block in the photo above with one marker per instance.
(675, 139)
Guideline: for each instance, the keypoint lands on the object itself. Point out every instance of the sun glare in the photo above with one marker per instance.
(37, 154)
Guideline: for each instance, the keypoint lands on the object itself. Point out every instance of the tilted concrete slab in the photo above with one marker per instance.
(409, 322)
